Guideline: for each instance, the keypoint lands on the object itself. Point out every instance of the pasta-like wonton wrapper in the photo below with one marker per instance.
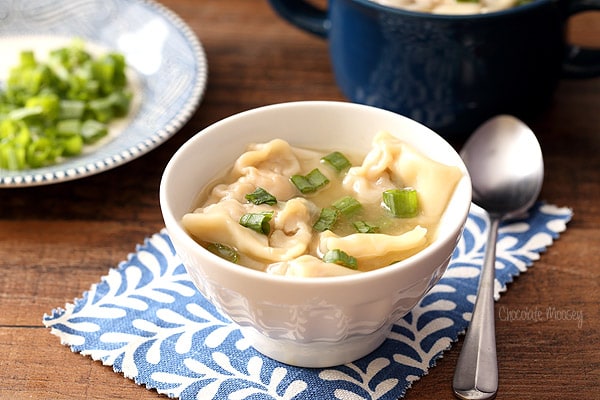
(392, 163)
(267, 165)
(308, 266)
(292, 248)
(219, 223)
(367, 246)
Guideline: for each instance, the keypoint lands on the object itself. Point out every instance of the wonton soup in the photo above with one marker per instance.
(453, 7)
(311, 213)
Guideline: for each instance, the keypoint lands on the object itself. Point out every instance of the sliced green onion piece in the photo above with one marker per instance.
(258, 222)
(92, 130)
(340, 257)
(69, 109)
(39, 152)
(44, 106)
(326, 220)
(26, 113)
(365, 227)
(223, 251)
(72, 145)
(317, 179)
(347, 205)
(310, 182)
(68, 127)
(302, 184)
(101, 109)
(12, 157)
(48, 102)
(27, 59)
(261, 196)
(403, 203)
(337, 161)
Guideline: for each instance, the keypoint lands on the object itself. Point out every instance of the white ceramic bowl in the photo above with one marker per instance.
(310, 322)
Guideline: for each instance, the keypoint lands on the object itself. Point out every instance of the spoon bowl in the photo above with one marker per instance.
(506, 166)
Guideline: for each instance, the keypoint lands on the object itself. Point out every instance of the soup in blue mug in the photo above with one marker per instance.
(453, 7)
(449, 72)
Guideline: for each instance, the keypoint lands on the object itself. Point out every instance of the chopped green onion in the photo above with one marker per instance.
(71, 109)
(340, 257)
(258, 222)
(25, 113)
(92, 130)
(68, 127)
(326, 220)
(311, 182)
(27, 58)
(39, 152)
(72, 145)
(401, 203)
(261, 196)
(12, 157)
(48, 102)
(223, 251)
(347, 205)
(44, 105)
(365, 227)
(302, 184)
(337, 161)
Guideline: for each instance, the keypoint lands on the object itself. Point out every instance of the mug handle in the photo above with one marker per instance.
(304, 15)
(581, 62)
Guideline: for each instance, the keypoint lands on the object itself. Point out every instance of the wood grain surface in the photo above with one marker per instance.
(57, 240)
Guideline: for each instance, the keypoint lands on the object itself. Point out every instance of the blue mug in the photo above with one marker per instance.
(448, 72)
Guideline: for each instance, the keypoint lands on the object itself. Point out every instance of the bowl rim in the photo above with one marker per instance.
(174, 227)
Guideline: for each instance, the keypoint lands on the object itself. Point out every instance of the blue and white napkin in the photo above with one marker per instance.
(147, 321)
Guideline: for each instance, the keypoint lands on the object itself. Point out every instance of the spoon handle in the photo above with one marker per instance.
(476, 374)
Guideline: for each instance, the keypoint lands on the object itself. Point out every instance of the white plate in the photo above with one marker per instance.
(168, 69)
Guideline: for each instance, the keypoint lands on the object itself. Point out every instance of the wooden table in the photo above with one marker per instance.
(57, 240)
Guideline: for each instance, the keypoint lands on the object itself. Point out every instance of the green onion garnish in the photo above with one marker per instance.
(68, 127)
(92, 130)
(261, 196)
(337, 256)
(311, 182)
(326, 220)
(258, 222)
(403, 203)
(347, 205)
(337, 161)
(365, 227)
(51, 109)
(223, 251)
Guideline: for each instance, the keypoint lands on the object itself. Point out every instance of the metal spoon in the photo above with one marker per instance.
(506, 166)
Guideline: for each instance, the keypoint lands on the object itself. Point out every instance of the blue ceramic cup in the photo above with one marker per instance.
(448, 72)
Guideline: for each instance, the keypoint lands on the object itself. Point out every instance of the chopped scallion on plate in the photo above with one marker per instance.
(45, 105)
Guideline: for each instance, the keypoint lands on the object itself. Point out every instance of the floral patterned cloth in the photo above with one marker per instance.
(147, 321)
